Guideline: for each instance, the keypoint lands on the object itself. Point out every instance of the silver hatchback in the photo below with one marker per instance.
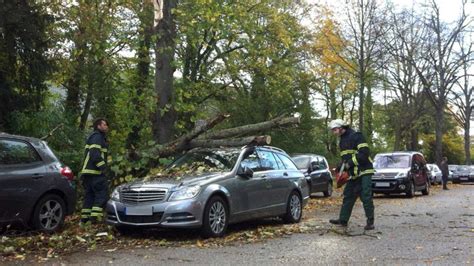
(218, 187)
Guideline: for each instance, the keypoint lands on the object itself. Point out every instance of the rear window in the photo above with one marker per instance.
(17, 152)
(301, 162)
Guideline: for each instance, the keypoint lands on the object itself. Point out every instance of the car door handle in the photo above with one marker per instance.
(285, 174)
(37, 176)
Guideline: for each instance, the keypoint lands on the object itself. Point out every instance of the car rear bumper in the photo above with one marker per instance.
(393, 185)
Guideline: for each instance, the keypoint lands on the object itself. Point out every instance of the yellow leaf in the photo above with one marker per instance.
(199, 243)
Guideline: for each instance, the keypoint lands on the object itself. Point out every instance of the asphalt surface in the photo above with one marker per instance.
(426, 230)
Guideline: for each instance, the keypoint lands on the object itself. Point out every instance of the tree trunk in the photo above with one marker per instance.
(467, 138)
(165, 115)
(237, 142)
(439, 128)
(143, 72)
(196, 138)
(251, 128)
(398, 137)
(368, 123)
(73, 84)
(87, 108)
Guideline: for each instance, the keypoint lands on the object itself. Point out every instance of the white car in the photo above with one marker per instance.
(435, 174)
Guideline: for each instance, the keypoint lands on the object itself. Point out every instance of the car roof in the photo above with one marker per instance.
(29, 139)
(400, 153)
(306, 154)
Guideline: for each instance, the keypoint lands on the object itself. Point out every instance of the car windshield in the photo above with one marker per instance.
(301, 162)
(205, 161)
(391, 161)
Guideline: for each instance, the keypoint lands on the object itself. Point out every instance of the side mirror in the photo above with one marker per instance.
(245, 172)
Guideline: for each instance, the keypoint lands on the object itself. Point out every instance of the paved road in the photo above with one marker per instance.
(436, 229)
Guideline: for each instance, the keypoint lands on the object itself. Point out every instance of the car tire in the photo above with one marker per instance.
(215, 218)
(294, 208)
(49, 213)
(328, 192)
(411, 190)
(426, 190)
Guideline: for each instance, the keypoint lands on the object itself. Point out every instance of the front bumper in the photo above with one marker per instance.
(392, 185)
(175, 214)
(463, 178)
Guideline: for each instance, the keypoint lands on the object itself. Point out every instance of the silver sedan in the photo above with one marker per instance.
(218, 187)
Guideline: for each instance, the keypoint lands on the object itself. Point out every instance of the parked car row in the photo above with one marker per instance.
(461, 173)
(205, 188)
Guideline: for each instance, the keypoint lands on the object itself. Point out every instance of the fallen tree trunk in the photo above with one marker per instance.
(252, 128)
(182, 143)
(235, 142)
(222, 138)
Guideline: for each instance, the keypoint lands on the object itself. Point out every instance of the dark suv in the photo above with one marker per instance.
(317, 173)
(400, 172)
(36, 190)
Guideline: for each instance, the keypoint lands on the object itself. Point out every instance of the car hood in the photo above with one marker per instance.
(170, 183)
(389, 172)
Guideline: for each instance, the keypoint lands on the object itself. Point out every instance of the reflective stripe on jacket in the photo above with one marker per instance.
(95, 154)
(355, 151)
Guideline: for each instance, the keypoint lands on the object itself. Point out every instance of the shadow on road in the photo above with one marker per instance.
(192, 235)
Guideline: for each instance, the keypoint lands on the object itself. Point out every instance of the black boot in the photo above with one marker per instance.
(338, 222)
(370, 225)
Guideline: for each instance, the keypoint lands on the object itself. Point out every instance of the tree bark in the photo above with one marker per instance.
(142, 74)
(221, 138)
(252, 128)
(165, 114)
(236, 142)
(182, 143)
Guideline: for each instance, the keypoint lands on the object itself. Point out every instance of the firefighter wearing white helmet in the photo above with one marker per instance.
(337, 123)
(355, 156)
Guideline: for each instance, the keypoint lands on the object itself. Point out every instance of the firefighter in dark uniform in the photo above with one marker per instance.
(92, 173)
(355, 155)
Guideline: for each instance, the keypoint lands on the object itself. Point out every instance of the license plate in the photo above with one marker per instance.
(463, 178)
(382, 184)
(139, 210)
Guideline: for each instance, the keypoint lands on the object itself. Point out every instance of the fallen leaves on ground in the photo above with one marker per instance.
(32, 245)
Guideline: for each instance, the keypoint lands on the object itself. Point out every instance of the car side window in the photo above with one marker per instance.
(280, 164)
(322, 164)
(251, 161)
(17, 152)
(267, 161)
(287, 162)
(315, 165)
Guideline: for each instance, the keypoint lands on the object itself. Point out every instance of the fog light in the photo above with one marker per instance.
(402, 187)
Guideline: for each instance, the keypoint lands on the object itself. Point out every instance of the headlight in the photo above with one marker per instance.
(115, 195)
(185, 193)
(401, 175)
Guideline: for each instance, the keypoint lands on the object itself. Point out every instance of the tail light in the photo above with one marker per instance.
(67, 173)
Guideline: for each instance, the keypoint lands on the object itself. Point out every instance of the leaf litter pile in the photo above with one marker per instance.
(31, 245)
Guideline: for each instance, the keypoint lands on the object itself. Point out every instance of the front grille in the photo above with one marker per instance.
(384, 175)
(141, 219)
(140, 195)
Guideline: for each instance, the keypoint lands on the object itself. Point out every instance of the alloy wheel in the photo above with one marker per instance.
(295, 206)
(217, 217)
(50, 214)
